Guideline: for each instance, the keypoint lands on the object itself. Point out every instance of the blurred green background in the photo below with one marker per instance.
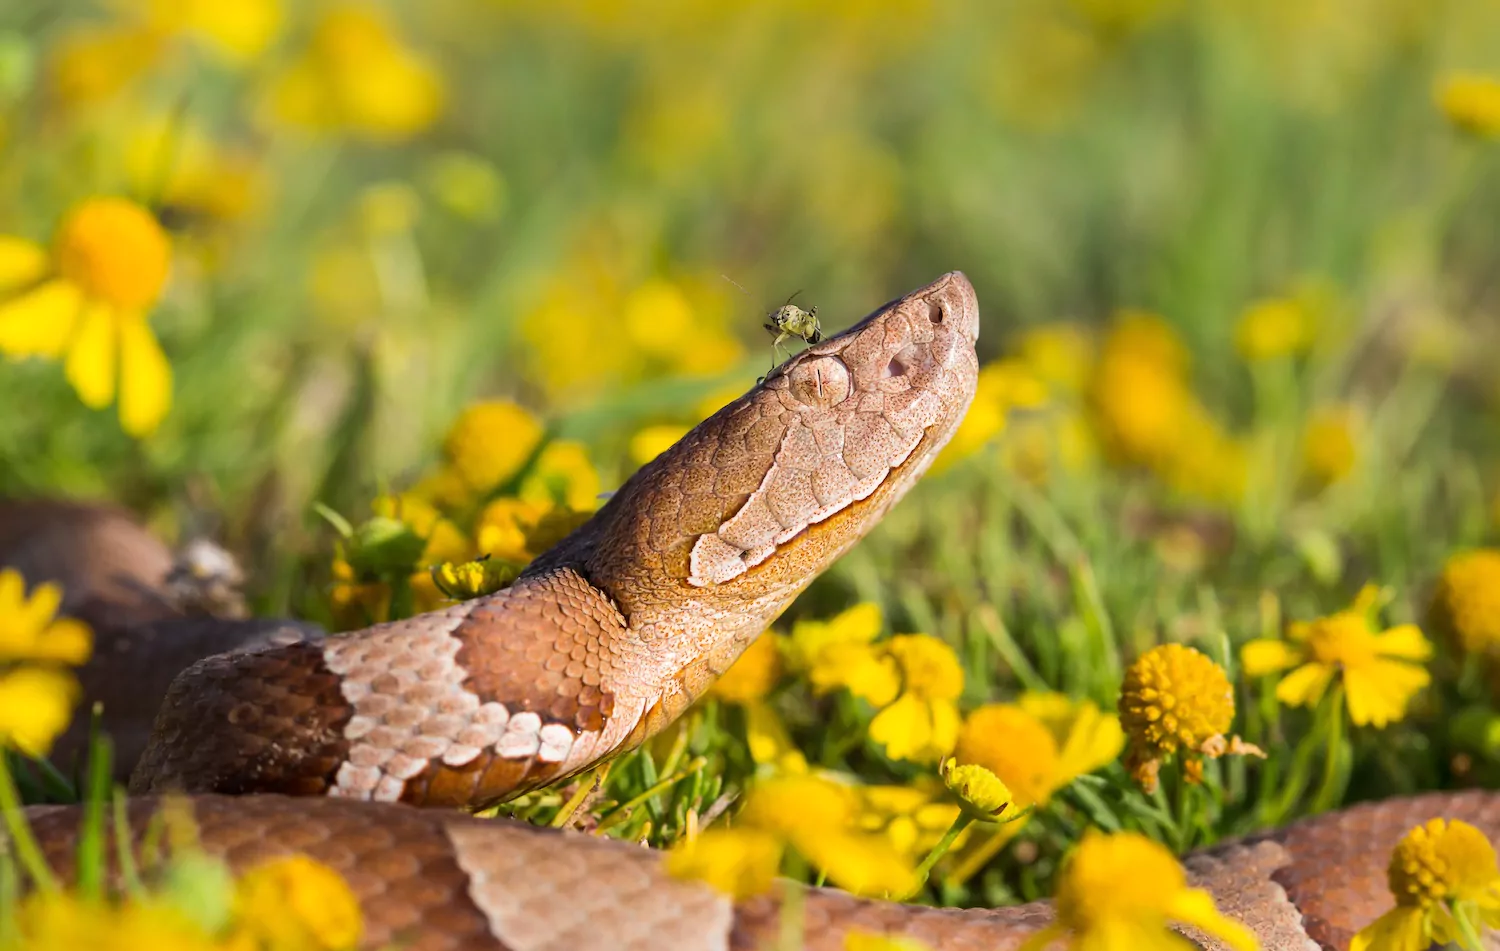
(383, 211)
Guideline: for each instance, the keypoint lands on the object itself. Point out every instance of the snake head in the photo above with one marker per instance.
(762, 496)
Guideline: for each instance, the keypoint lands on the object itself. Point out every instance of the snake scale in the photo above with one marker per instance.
(290, 742)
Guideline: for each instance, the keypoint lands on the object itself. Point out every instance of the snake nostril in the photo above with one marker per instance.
(935, 311)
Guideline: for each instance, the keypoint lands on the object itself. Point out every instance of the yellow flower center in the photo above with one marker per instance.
(115, 250)
(1440, 861)
(1342, 640)
(1175, 697)
(980, 792)
(1015, 746)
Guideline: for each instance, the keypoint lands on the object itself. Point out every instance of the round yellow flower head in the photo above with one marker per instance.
(981, 794)
(1442, 873)
(1467, 602)
(1174, 699)
(1442, 861)
(115, 250)
(294, 903)
(490, 441)
(1119, 893)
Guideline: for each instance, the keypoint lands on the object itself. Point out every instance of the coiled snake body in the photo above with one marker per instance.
(602, 642)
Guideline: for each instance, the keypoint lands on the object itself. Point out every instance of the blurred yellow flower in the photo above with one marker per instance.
(1040, 744)
(922, 723)
(1061, 355)
(30, 629)
(1467, 601)
(87, 304)
(658, 317)
(48, 920)
(1379, 671)
(489, 442)
(1139, 390)
(1176, 701)
(562, 475)
(651, 441)
(1330, 446)
(1273, 328)
(820, 820)
(172, 158)
(912, 817)
(36, 704)
(1121, 892)
(753, 674)
(1441, 871)
(357, 76)
(740, 863)
(839, 652)
(502, 527)
(1471, 101)
(864, 941)
(95, 62)
(1003, 386)
(294, 903)
(238, 32)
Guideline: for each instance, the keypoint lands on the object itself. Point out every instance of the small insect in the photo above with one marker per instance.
(789, 320)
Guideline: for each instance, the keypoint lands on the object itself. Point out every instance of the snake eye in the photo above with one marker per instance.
(821, 381)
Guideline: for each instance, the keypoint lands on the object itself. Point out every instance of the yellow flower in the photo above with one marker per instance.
(93, 63)
(1273, 328)
(651, 441)
(1120, 892)
(740, 863)
(1439, 870)
(30, 629)
(297, 904)
(864, 941)
(820, 820)
(753, 674)
(170, 156)
(1003, 386)
(238, 32)
(1471, 101)
(88, 305)
(36, 704)
(489, 442)
(912, 817)
(65, 920)
(922, 724)
(839, 653)
(1139, 390)
(1039, 744)
(1379, 670)
(357, 76)
(1329, 446)
(1061, 355)
(658, 318)
(562, 475)
(1467, 602)
(474, 579)
(981, 794)
(1176, 701)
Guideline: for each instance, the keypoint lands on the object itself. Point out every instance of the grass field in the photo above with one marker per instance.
(442, 273)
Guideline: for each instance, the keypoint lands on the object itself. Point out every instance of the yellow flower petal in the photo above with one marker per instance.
(1400, 929)
(145, 378)
(1378, 694)
(90, 364)
(867, 865)
(1195, 907)
(1263, 657)
(22, 262)
(740, 863)
(768, 740)
(40, 322)
(35, 706)
(1305, 685)
(1404, 641)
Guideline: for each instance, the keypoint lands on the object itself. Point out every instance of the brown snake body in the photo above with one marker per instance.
(602, 642)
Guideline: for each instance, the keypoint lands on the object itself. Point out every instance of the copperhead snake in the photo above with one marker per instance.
(290, 742)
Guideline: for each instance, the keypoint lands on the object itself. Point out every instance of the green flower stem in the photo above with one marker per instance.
(963, 821)
(585, 789)
(25, 845)
(793, 905)
(1331, 789)
(1470, 935)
